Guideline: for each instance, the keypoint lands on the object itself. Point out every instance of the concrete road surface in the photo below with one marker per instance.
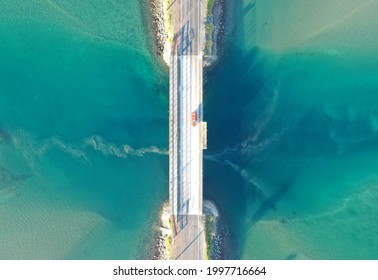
(186, 115)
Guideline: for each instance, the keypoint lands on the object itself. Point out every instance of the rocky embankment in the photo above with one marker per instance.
(162, 239)
(215, 32)
(213, 236)
(219, 18)
(158, 25)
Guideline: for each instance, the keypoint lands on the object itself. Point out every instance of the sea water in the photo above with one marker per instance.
(293, 130)
(292, 123)
(83, 129)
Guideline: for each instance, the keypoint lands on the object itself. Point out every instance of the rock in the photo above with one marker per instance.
(158, 25)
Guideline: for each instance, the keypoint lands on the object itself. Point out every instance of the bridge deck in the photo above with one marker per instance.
(186, 139)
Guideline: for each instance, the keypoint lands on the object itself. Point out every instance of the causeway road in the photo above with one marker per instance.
(187, 137)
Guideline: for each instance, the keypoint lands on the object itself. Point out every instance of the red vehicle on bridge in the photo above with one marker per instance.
(194, 118)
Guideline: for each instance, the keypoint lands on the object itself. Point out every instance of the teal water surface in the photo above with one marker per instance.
(292, 116)
(83, 130)
(292, 123)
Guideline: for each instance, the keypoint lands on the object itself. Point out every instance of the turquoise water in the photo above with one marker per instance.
(292, 119)
(83, 130)
(293, 130)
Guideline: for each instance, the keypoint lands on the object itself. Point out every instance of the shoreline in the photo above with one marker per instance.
(161, 28)
(215, 29)
(212, 234)
(163, 233)
(214, 24)
(163, 236)
(158, 25)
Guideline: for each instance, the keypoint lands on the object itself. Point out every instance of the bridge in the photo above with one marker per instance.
(187, 131)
